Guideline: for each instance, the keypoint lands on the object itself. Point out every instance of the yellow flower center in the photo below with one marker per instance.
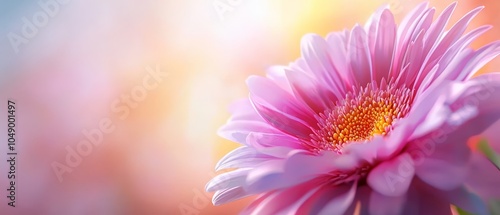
(361, 116)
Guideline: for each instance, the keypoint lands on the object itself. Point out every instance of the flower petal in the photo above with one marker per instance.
(310, 92)
(441, 153)
(338, 44)
(285, 201)
(227, 180)
(299, 167)
(228, 195)
(383, 51)
(483, 177)
(238, 131)
(340, 200)
(279, 108)
(277, 74)
(386, 205)
(263, 141)
(421, 200)
(241, 157)
(466, 200)
(455, 32)
(392, 178)
(330, 200)
(359, 56)
(315, 52)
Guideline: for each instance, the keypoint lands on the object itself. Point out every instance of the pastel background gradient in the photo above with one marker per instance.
(159, 157)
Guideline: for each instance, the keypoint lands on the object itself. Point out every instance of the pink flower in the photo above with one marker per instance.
(374, 119)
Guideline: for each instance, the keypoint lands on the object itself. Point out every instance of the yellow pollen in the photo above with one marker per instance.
(361, 116)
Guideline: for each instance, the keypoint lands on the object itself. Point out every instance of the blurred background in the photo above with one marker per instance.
(162, 73)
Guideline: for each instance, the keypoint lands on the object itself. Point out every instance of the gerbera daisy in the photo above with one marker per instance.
(374, 119)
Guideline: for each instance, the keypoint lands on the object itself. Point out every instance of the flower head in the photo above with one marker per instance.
(375, 118)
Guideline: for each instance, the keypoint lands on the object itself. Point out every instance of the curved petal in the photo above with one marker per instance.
(359, 56)
(310, 92)
(279, 108)
(244, 120)
(227, 180)
(483, 177)
(242, 157)
(316, 55)
(330, 200)
(392, 178)
(285, 201)
(455, 32)
(238, 131)
(454, 53)
(277, 74)
(441, 159)
(442, 154)
(420, 200)
(338, 43)
(228, 195)
(383, 51)
(243, 110)
(442, 174)
(466, 200)
(455, 103)
(379, 147)
(413, 26)
(263, 141)
(299, 167)
(386, 205)
(414, 55)
(340, 200)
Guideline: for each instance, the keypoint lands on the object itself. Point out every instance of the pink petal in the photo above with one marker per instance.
(431, 42)
(439, 73)
(242, 157)
(383, 52)
(359, 56)
(442, 154)
(310, 92)
(421, 200)
(338, 44)
(380, 147)
(242, 109)
(340, 200)
(483, 177)
(227, 180)
(385, 205)
(442, 174)
(284, 201)
(279, 108)
(408, 32)
(408, 23)
(437, 28)
(262, 141)
(480, 58)
(405, 28)
(455, 32)
(228, 195)
(330, 200)
(466, 200)
(238, 131)
(277, 74)
(392, 178)
(316, 55)
(299, 167)
(372, 24)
